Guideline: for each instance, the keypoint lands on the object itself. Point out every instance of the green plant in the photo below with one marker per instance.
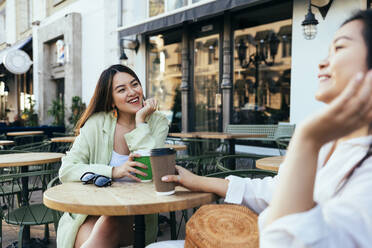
(77, 108)
(29, 115)
(57, 110)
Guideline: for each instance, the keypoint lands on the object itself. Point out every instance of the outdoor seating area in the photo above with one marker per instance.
(24, 176)
(185, 123)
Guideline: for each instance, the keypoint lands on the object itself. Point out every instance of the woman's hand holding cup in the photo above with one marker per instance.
(184, 178)
(149, 107)
(129, 167)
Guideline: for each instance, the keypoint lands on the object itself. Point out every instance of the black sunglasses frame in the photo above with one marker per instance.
(94, 178)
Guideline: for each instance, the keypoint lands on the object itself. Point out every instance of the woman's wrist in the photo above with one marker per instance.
(115, 172)
(139, 120)
(305, 134)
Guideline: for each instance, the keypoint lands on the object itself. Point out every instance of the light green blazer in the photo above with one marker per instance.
(92, 151)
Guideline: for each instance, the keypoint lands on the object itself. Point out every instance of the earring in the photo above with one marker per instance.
(115, 112)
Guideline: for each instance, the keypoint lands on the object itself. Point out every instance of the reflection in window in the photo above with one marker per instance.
(206, 78)
(262, 73)
(175, 4)
(156, 7)
(164, 67)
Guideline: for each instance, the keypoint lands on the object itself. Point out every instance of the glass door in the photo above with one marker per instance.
(207, 97)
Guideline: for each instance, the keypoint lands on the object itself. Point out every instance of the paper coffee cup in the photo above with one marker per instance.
(144, 159)
(163, 161)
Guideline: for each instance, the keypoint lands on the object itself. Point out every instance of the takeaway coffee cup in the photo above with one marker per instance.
(144, 159)
(163, 161)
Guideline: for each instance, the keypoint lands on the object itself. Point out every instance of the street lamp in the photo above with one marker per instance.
(310, 22)
(131, 45)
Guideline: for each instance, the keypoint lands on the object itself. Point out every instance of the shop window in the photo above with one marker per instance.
(4, 90)
(262, 73)
(164, 70)
(29, 13)
(206, 83)
(156, 7)
(2, 25)
(175, 4)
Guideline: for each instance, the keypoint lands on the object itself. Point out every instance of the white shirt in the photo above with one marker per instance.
(338, 220)
(117, 160)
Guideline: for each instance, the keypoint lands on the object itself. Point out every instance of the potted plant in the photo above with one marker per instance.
(77, 109)
(57, 110)
(29, 115)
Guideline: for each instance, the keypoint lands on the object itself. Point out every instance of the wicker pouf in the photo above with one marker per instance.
(222, 226)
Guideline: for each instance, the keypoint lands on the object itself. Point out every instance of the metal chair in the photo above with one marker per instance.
(23, 213)
(240, 161)
(27, 139)
(283, 135)
(251, 173)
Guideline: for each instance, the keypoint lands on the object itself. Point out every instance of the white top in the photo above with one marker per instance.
(341, 220)
(117, 160)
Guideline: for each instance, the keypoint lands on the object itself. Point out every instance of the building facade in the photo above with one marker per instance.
(70, 42)
(211, 63)
(208, 62)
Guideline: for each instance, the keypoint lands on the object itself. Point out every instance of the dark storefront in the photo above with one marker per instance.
(219, 63)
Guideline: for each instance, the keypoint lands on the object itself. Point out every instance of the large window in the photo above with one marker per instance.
(2, 24)
(262, 73)
(206, 83)
(164, 70)
(137, 11)
(157, 7)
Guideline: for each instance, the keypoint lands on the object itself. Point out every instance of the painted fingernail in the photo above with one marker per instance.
(164, 178)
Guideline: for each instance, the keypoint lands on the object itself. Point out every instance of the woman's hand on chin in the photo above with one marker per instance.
(149, 107)
(349, 111)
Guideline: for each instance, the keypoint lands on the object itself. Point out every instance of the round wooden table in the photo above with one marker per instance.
(176, 147)
(6, 142)
(24, 160)
(67, 139)
(270, 163)
(32, 158)
(122, 198)
(24, 133)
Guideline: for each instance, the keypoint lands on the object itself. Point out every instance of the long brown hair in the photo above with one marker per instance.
(365, 16)
(102, 98)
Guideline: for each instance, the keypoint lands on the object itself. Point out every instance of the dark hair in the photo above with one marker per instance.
(102, 98)
(365, 16)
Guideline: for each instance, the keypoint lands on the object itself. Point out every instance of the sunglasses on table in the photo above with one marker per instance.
(98, 180)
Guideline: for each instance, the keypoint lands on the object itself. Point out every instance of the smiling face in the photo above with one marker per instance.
(347, 56)
(127, 93)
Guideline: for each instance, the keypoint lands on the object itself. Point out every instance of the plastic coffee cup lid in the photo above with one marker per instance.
(143, 152)
(162, 151)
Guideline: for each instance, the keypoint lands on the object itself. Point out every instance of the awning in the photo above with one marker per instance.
(202, 11)
(18, 45)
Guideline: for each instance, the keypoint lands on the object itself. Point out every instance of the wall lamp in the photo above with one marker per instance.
(130, 44)
(310, 22)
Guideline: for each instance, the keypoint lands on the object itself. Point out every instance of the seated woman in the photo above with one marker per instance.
(321, 196)
(117, 122)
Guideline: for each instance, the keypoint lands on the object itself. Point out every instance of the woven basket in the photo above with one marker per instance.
(222, 226)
